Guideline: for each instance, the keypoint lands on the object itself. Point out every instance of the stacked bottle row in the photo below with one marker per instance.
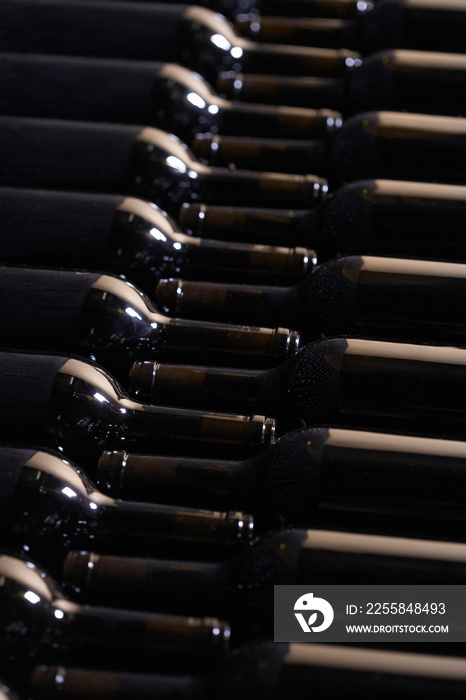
(134, 573)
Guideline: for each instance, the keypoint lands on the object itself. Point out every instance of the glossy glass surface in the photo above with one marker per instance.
(187, 105)
(417, 388)
(89, 413)
(390, 217)
(55, 508)
(210, 44)
(39, 625)
(374, 482)
(166, 172)
(394, 145)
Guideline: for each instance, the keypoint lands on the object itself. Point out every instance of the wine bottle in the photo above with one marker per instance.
(130, 237)
(366, 295)
(377, 217)
(146, 162)
(277, 671)
(410, 24)
(165, 95)
(76, 407)
(201, 39)
(108, 319)
(350, 381)
(133, 92)
(394, 79)
(242, 588)
(152, 164)
(382, 483)
(49, 506)
(39, 624)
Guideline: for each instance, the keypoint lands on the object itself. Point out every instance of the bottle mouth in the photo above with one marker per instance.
(269, 429)
(294, 342)
(220, 633)
(242, 526)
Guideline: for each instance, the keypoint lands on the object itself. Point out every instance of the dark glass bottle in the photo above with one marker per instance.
(277, 671)
(372, 296)
(384, 24)
(143, 161)
(152, 164)
(399, 79)
(39, 624)
(196, 36)
(74, 406)
(111, 321)
(49, 506)
(392, 145)
(166, 95)
(130, 237)
(377, 217)
(315, 477)
(242, 588)
(350, 382)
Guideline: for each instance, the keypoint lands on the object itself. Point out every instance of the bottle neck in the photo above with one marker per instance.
(294, 60)
(281, 227)
(299, 93)
(226, 344)
(266, 154)
(248, 188)
(128, 527)
(160, 428)
(150, 584)
(52, 683)
(267, 120)
(136, 640)
(220, 388)
(198, 483)
(238, 303)
(209, 259)
(303, 31)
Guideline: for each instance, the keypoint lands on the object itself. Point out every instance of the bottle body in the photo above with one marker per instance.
(359, 382)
